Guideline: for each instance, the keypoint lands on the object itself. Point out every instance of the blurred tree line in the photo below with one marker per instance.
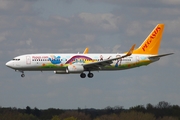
(162, 111)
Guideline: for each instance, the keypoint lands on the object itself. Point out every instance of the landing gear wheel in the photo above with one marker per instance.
(90, 75)
(22, 75)
(82, 75)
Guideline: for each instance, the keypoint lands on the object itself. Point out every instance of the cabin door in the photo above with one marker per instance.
(28, 60)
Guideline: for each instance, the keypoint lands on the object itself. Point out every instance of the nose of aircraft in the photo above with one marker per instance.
(9, 64)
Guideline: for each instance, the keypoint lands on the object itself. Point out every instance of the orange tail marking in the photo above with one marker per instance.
(152, 42)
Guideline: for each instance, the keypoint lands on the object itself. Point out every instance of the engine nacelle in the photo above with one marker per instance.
(75, 69)
(60, 72)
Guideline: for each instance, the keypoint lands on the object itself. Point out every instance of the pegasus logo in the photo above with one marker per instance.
(151, 38)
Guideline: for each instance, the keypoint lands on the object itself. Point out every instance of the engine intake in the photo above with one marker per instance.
(75, 69)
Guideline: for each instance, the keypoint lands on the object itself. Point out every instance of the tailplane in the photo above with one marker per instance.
(152, 42)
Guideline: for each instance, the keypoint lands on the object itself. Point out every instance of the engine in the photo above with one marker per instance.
(75, 69)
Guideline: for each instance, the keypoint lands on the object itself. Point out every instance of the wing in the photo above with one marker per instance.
(99, 64)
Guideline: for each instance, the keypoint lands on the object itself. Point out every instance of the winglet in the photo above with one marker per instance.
(86, 51)
(131, 50)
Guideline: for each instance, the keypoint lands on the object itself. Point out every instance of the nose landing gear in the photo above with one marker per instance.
(22, 75)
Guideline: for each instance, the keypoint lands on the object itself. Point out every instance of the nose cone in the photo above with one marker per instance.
(9, 64)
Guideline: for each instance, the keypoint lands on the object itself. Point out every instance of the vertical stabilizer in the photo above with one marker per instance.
(152, 42)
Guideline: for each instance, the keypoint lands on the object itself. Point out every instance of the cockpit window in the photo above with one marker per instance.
(15, 59)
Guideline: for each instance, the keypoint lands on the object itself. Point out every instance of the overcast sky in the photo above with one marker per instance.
(105, 26)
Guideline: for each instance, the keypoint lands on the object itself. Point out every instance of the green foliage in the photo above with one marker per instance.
(138, 108)
(167, 118)
(70, 118)
(49, 113)
(108, 117)
(11, 115)
(55, 118)
(133, 115)
(161, 111)
(28, 110)
(74, 114)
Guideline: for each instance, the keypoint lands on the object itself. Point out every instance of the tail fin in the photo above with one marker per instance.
(152, 42)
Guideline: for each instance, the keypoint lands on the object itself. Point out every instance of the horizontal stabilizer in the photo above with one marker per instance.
(158, 56)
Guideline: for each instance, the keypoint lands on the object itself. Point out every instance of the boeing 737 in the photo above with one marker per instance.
(80, 63)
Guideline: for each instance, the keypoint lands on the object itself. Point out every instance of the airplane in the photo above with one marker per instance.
(80, 63)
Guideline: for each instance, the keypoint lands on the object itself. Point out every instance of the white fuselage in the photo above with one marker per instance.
(53, 62)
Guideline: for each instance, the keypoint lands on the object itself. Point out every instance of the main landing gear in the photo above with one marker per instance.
(83, 75)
